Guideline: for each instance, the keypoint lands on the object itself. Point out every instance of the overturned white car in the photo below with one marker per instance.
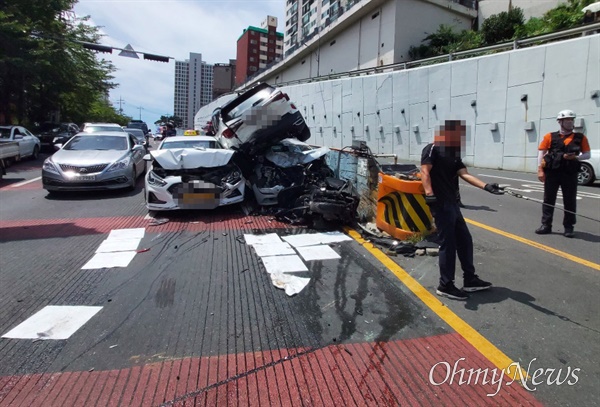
(192, 172)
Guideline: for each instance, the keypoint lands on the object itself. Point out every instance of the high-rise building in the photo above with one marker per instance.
(193, 88)
(257, 48)
(223, 78)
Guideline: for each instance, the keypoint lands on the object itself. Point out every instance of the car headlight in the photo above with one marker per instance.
(119, 165)
(154, 179)
(49, 166)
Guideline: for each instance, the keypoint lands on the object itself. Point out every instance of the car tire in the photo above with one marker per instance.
(586, 175)
(133, 182)
(35, 153)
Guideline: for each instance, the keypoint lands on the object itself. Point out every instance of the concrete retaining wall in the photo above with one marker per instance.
(508, 100)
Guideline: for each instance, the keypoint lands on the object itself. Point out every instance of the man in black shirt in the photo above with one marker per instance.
(441, 165)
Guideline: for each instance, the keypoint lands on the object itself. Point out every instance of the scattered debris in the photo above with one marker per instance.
(143, 250)
(158, 221)
(91, 370)
(112, 346)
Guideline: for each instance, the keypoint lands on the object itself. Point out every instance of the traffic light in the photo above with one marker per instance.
(97, 47)
(158, 58)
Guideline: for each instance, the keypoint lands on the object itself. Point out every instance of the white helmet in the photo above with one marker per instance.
(565, 114)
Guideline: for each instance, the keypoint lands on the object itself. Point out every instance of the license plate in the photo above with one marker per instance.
(198, 198)
(84, 178)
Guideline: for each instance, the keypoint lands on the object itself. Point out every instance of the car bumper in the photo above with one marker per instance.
(113, 180)
(176, 195)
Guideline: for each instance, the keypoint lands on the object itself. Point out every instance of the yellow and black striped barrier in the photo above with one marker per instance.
(401, 208)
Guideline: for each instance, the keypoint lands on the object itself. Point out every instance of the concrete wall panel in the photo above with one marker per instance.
(419, 134)
(557, 97)
(492, 80)
(488, 146)
(418, 85)
(464, 77)
(526, 66)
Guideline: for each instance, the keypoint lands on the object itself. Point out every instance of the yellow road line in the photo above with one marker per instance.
(485, 347)
(537, 245)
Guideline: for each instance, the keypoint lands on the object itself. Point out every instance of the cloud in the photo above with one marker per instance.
(169, 28)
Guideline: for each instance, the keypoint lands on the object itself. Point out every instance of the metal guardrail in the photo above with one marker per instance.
(512, 45)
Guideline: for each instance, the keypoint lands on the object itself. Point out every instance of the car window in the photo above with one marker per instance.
(189, 144)
(238, 106)
(27, 132)
(5, 132)
(17, 132)
(79, 143)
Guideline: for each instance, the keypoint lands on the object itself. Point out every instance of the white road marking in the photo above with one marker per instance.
(539, 187)
(20, 184)
(53, 322)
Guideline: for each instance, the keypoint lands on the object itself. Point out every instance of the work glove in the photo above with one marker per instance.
(430, 199)
(493, 189)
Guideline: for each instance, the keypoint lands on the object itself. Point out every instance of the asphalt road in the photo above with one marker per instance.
(195, 293)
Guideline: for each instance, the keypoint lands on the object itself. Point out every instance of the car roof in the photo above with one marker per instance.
(101, 124)
(103, 133)
(183, 138)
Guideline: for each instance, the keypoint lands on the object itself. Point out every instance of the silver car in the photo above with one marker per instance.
(105, 160)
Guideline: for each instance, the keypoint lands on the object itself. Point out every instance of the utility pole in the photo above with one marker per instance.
(140, 109)
(121, 103)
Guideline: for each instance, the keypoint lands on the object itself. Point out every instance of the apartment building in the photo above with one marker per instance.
(257, 48)
(223, 78)
(193, 87)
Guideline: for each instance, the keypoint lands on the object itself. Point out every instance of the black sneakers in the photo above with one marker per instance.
(569, 232)
(544, 230)
(450, 291)
(476, 284)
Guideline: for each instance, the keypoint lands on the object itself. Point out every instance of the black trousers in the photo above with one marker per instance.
(567, 181)
(455, 239)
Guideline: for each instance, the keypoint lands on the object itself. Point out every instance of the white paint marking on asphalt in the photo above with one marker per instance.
(319, 252)
(283, 264)
(136, 233)
(118, 245)
(262, 239)
(512, 179)
(117, 250)
(312, 239)
(20, 184)
(107, 260)
(273, 249)
(290, 283)
(53, 322)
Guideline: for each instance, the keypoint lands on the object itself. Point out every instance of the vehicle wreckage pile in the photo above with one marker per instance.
(272, 169)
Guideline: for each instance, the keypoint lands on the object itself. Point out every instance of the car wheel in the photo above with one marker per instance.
(133, 181)
(586, 174)
(36, 153)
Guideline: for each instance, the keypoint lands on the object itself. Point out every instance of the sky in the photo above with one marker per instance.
(171, 28)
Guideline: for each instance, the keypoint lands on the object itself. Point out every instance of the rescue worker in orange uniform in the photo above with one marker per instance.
(558, 165)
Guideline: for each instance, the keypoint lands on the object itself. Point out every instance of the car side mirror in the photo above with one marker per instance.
(138, 147)
(147, 157)
(18, 137)
(57, 146)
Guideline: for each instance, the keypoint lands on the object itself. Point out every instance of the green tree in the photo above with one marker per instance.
(44, 70)
(165, 119)
(501, 27)
(445, 41)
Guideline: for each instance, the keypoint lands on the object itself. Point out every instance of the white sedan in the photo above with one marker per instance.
(192, 172)
(590, 169)
(29, 145)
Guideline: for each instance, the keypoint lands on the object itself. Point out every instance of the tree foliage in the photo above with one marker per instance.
(44, 70)
(176, 120)
(502, 27)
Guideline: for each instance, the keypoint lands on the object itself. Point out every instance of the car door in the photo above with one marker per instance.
(137, 155)
(25, 142)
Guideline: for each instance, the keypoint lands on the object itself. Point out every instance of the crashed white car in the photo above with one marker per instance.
(192, 172)
(287, 164)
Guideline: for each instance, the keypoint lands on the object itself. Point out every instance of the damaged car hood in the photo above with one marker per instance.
(294, 152)
(180, 158)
